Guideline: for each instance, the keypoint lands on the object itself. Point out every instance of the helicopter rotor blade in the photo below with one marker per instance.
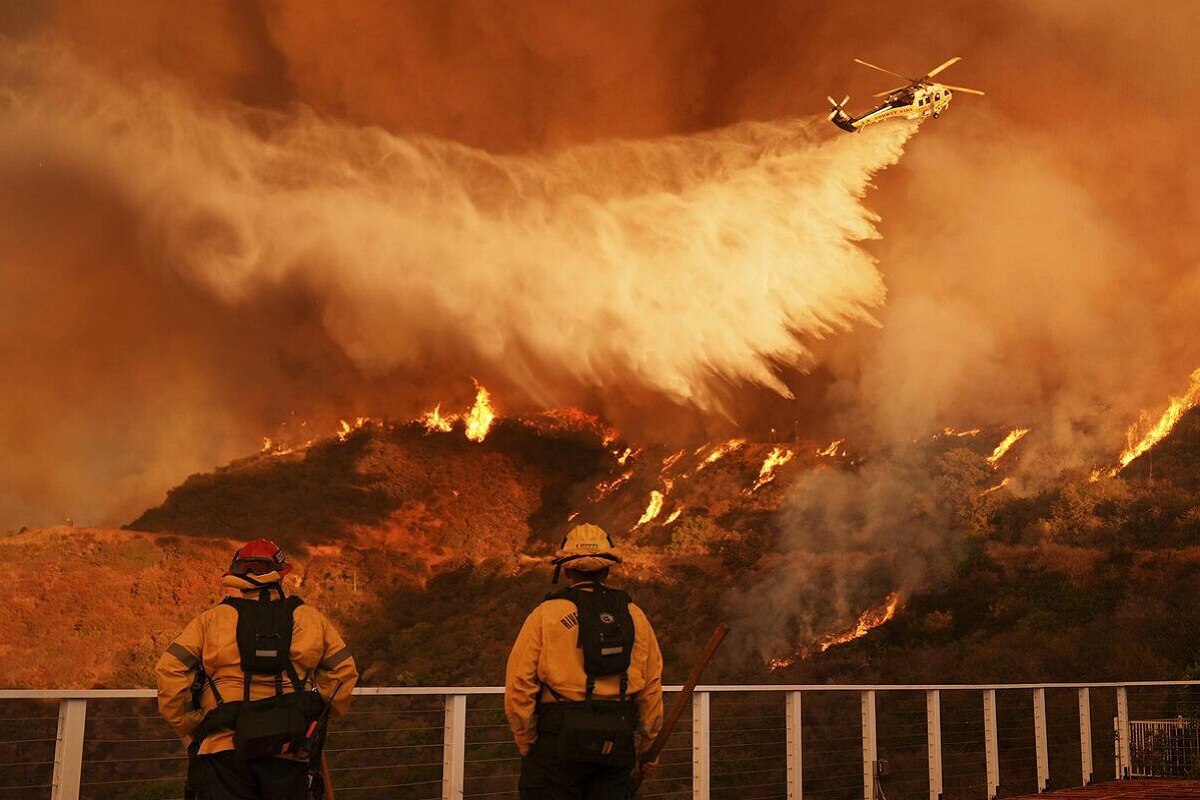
(881, 69)
(962, 89)
(889, 91)
(938, 69)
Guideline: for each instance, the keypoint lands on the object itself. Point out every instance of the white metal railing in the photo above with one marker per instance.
(789, 732)
(1164, 747)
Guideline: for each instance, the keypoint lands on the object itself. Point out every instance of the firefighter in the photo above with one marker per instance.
(583, 689)
(259, 650)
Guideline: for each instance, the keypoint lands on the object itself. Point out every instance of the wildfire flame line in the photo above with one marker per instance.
(720, 452)
(1006, 444)
(1144, 433)
(872, 618)
(653, 509)
(995, 488)
(434, 422)
(476, 422)
(832, 450)
(605, 488)
(775, 459)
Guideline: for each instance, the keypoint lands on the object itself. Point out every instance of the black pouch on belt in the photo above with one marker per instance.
(597, 731)
(276, 726)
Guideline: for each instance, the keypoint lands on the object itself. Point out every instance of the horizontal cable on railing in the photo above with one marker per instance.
(99, 761)
(134, 780)
(382, 747)
(363, 768)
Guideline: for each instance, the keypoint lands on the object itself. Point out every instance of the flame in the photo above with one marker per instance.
(434, 422)
(268, 445)
(653, 509)
(572, 516)
(720, 452)
(775, 459)
(1145, 433)
(953, 432)
(606, 488)
(871, 618)
(995, 488)
(479, 418)
(670, 460)
(346, 428)
(1005, 444)
(624, 457)
(674, 516)
(832, 449)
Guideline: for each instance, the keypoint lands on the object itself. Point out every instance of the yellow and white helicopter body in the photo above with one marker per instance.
(921, 98)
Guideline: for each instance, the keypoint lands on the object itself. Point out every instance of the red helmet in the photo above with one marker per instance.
(258, 558)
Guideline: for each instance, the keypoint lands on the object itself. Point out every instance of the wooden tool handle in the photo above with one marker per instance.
(681, 701)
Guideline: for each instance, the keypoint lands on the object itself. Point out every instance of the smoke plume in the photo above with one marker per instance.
(666, 265)
(218, 215)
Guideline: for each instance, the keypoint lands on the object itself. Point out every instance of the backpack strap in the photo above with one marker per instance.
(273, 621)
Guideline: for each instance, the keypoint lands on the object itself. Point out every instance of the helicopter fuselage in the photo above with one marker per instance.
(918, 102)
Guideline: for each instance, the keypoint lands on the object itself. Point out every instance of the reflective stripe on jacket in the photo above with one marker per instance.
(547, 652)
(211, 637)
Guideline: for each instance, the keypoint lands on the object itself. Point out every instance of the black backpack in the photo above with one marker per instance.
(599, 731)
(282, 724)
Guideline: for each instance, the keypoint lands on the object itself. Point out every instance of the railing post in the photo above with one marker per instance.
(68, 749)
(795, 736)
(700, 753)
(1039, 738)
(933, 732)
(870, 748)
(991, 743)
(454, 745)
(1085, 734)
(1123, 757)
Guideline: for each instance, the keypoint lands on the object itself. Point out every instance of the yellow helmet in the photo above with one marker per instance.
(586, 548)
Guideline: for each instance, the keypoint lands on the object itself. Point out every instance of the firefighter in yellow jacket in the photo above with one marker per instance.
(583, 689)
(211, 676)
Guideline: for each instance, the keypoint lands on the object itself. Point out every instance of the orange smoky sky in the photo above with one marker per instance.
(215, 217)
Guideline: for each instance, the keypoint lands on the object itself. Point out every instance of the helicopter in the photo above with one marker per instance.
(918, 99)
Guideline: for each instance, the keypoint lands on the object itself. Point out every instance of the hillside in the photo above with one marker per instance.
(424, 545)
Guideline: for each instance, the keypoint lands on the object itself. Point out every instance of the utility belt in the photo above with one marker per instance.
(591, 730)
(281, 725)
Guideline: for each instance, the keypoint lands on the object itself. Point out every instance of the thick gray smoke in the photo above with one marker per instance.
(658, 266)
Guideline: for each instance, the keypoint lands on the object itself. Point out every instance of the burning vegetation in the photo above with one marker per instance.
(1149, 430)
(775, 459)
(1006, 444)
(869, 620)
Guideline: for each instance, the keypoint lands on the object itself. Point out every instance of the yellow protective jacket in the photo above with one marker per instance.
(547, 652)
(211, 639)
